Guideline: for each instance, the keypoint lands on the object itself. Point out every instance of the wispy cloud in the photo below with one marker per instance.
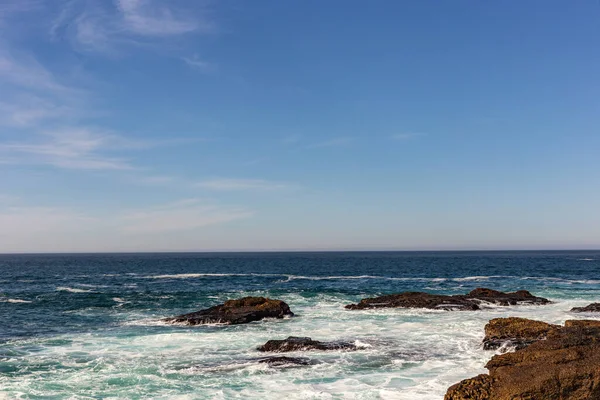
(334, 142)
(196, 63)
(72, 148)
(104, 27)
(25, 71)
(224, 184)
(63, 229)
(183, 215)
(27, 110)
(406, 136)
(153, 18)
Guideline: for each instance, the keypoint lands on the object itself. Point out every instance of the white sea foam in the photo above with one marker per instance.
(407, 354)
(201, 275)
(15, 301)
(73, 290)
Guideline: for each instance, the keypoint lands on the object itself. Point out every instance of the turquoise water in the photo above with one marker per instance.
(88, 326)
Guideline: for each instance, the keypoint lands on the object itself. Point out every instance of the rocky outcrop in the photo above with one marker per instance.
(514, 332)
(238, 311)
(474, 300)
(284, 361)
(594, 307)
(564, 366)
(581, 323)
(293, 343)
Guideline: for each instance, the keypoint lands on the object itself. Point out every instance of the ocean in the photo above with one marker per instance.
(89, 326)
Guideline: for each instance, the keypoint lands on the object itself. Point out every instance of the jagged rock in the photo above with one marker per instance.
(564, 366)
(283, 361)
(470, 301)
(594, 307)
(514, 332)
(238, 311)
(477, 388)
(505, 299)
(293, 343)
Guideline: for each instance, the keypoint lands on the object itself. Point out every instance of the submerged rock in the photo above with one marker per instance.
(470, 301)
(238, 311)
(283, 361)
(294, 343)
(594, 307)
(563, 366)
(515, 332)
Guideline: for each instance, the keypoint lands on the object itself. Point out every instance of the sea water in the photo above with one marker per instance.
(89, 326)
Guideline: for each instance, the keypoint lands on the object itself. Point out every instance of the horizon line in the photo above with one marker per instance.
(297, 251)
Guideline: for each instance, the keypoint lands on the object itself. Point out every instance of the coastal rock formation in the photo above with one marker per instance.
(470, 301)
(284, 361)
(238, 311)
(573, 323)
(594, 307)
(293, 343)
(514, 332)
(563, 366)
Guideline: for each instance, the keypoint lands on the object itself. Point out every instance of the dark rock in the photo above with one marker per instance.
(293, 343)
(283, 361)
(470, 301)
(563, 366)
(594, 307)
(416, 300)
(505, 299)
(238, 311)
(514, 332)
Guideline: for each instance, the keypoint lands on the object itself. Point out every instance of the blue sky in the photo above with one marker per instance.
(147, 125)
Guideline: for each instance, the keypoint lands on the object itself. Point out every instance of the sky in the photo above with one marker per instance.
(148, 125)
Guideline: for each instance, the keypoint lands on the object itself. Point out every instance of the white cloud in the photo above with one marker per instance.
(23, 222)
(32, 228)
(27, 110)
(196, 63)
(25, 71)
(72, 148)
(226, 184)
(153, 18)
(106, 27)
(183, 215)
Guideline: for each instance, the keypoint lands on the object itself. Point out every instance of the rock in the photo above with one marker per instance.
(470, 301)
(238, 311)
(477, 388)
(283, 361)
(514, 332)
(293, 343)
(594, 307)
(416, 300)
(581, 323)
(564, 366)
(506, 299)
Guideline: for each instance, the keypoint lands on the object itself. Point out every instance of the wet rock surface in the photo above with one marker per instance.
(285, 361)
(594, 307)
(514, 332)
(238, 311)
(474, 300)
(564, 366)
(294, 343)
